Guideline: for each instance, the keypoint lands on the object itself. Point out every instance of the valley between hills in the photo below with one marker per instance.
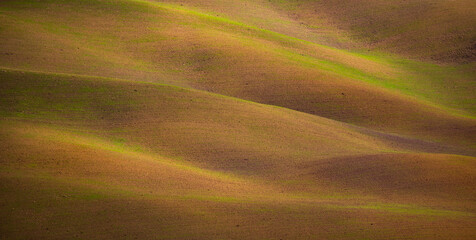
(237, 119)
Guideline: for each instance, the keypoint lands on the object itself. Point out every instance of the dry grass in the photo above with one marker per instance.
(234, 120)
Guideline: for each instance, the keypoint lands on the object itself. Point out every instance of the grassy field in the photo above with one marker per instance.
(138, 119)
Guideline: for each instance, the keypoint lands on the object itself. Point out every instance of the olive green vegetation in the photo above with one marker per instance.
(93, 157)
(448, 87)
(226, 119)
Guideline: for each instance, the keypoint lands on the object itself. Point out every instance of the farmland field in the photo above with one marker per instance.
(237, 119)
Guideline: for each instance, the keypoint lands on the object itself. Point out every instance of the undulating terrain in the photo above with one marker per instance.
(237, 119)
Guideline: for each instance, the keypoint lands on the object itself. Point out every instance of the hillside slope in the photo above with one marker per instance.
(168, 156)
(441, 30)
(246, 119)
(172, 44)
(77, 187)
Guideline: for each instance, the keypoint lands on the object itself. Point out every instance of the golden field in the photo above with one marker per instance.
(244, 119)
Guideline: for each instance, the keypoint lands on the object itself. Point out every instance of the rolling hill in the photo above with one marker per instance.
(237, 119)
